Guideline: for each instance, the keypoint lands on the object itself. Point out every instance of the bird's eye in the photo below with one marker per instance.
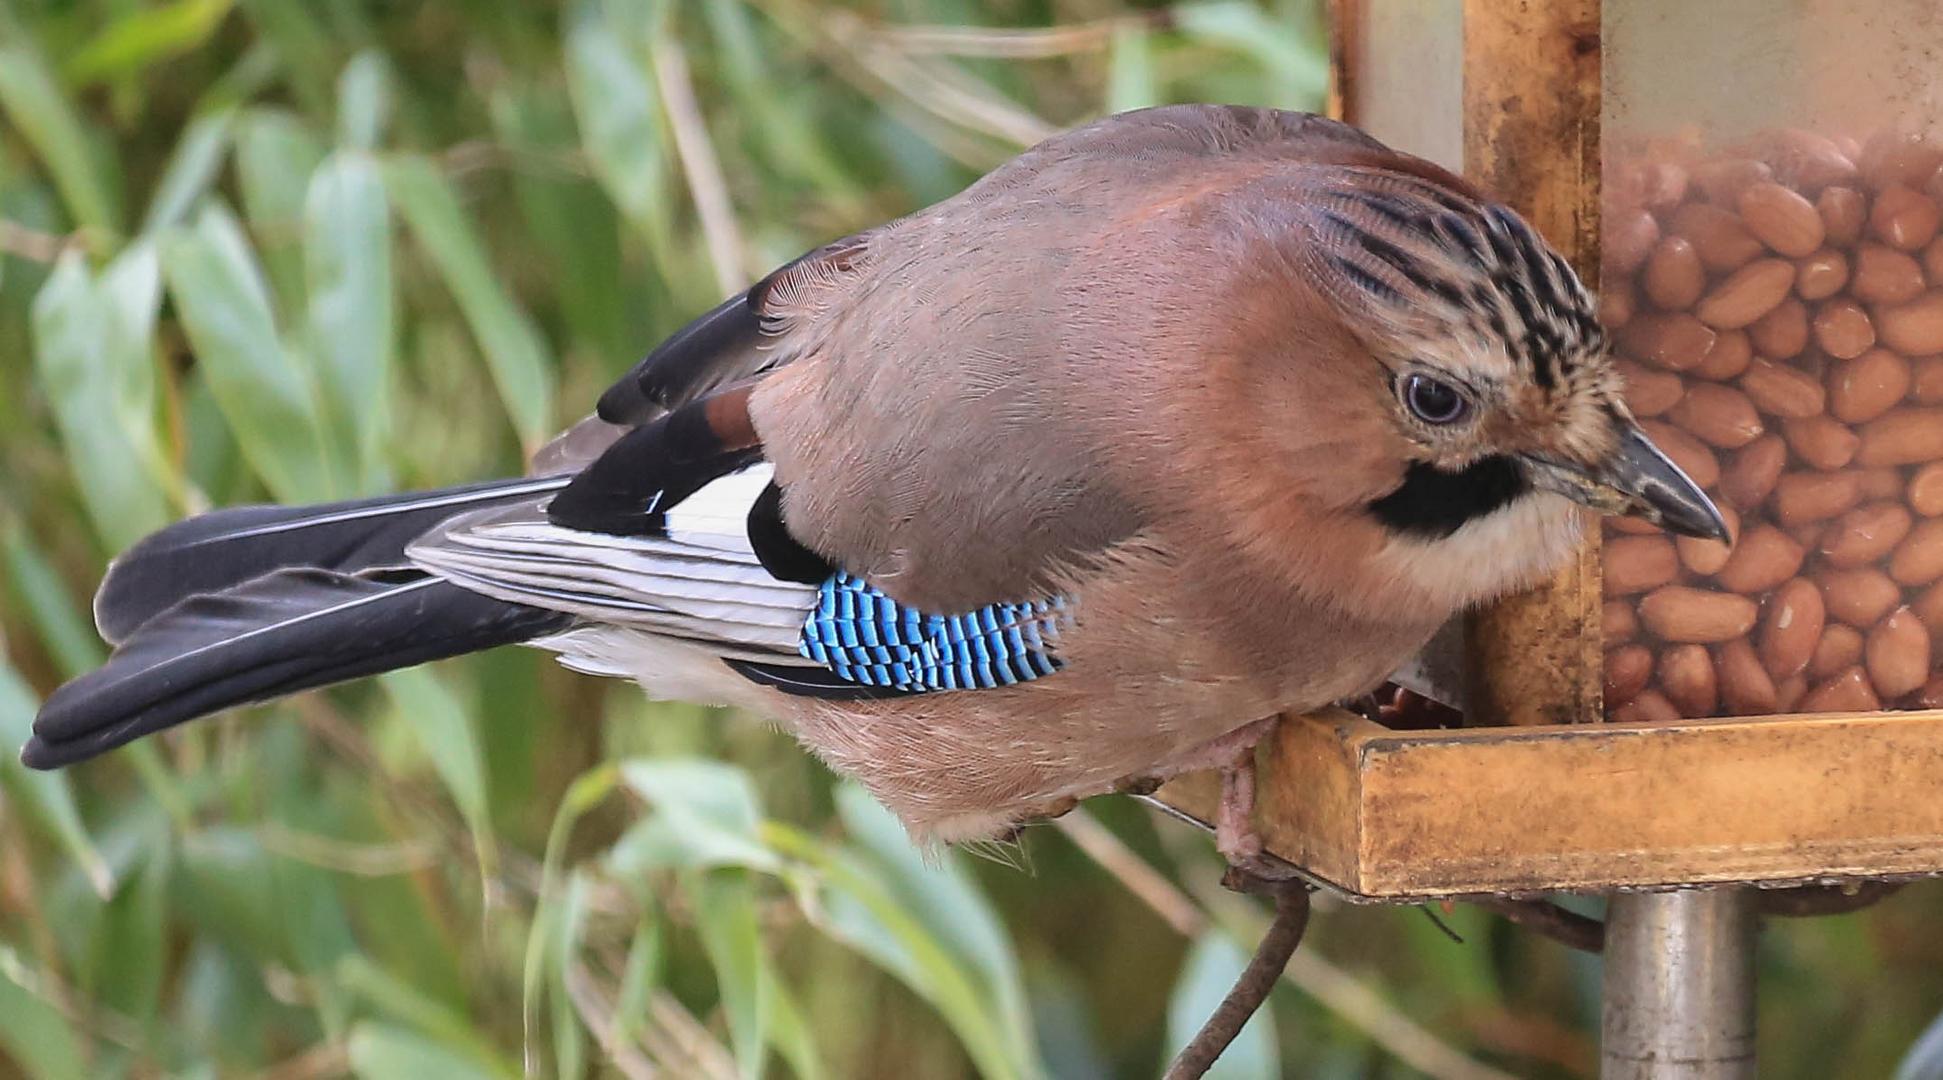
(1432, 401)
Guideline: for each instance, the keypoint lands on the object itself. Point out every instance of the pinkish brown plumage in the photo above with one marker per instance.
(1258, 401)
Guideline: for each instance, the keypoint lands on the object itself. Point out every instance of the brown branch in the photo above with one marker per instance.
(1251, 989)
(1812, 900)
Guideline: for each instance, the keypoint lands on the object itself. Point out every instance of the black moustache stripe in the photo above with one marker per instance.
(1433, 503)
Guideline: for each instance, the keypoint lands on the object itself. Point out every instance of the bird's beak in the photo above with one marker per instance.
(1638, 480)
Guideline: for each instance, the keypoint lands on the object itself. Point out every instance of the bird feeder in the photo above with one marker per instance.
(1757, 189)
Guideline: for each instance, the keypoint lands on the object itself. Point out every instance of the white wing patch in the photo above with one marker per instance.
(701, 583)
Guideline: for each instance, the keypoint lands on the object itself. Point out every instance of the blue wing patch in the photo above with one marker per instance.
(867, 638)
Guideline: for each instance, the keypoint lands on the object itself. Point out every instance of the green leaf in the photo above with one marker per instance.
(275, 156)
(35, 1034)
(387, 1052)
(587, 791)
(144, 36)
(259, 384)
(706, 814)
(32, 99)
(1213, 964)
(347, 249)
(92, 344)
(363, 101)
(862, 911)
(401, 1002)
(619, 112)
(725, 915)
(943, 897)
(444, 730)
(1130, 82)
(44, 798)
(52, 611)
(515, 352)
(1297, 68)
(192, 169)
(127, 959)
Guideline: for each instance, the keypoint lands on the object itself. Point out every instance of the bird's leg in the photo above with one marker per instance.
(1235, 835)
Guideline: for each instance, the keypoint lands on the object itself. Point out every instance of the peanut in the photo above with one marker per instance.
(1616, 306)
(1897, 654)
(1858, 597)
(1843, 329)
(1650, 391)
(1926, 490)
(1791, 628)
(1751, 475)
(1918, 559)
(1746, 689)
(1865, 534)
(1821, 275)
(1843, 212)
(1926, 380)
(1628, 240)
(1789, 692)
(1868, 386)
(1803, 160)
(1688, 680)
(1884, 275)
(1674, 342)
(1781, 219)
(1891, 158)
(1802, 496)
(1699, 616)
(1628, 668)
(1879, 483)
(1821, 441)
(1781, 334)
(1904, 218)
(1746, 294)
(1914, 327)
(1717, 236)
(1635, 564)
(1723, 181)
(1762, 558)
(1706, 557)
(1839, 647)
(1928, 607)
(1783, 391)
(1906, 436)
(1673, 278)
(1847, 691)
(1719, 415)
(1732, 352)
(1650, 707)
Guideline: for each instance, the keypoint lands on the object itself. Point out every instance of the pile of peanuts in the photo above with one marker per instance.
(1778, 314)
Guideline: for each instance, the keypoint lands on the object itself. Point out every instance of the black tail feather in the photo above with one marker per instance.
(228, 547)
(286, 631)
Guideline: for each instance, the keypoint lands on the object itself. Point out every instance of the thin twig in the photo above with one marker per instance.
(1544, 917)
(1337, 990)
(26, 242)
(1034, 43)
(700, 165)
(1812, 900)
(1251, 989)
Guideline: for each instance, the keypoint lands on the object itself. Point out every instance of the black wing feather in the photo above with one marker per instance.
(223, 548)
(284, 632)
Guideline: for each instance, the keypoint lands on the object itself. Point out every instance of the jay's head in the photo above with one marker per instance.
(1496, 376)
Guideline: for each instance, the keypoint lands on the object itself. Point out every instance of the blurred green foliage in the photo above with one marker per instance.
(270, 249)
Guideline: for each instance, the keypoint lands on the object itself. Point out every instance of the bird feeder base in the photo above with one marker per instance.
(1382, 815)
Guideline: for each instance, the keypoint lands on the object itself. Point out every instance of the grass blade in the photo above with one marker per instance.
(347, 258)
(259, 384)
(32, 99)
(515, 352)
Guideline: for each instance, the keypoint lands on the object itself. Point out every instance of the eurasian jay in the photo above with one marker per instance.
(1183, 419)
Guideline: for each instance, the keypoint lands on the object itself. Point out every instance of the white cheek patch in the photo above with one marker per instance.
(1513, 547)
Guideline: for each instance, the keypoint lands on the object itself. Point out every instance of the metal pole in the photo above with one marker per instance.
(1679, 986)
